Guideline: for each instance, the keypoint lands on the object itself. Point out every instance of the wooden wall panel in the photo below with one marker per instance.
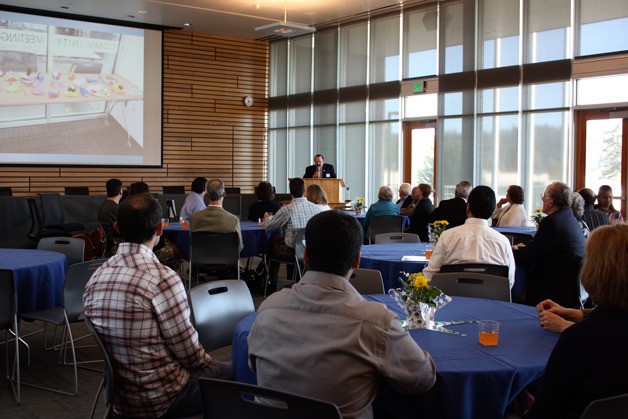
(207, 130)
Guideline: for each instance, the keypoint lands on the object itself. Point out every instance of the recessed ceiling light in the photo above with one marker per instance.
(142, 12)
(187, 24)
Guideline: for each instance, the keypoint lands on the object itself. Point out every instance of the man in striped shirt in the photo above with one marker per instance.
(140, 310)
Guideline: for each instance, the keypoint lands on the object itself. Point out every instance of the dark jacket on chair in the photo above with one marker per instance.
(419, 219)
(555, 253)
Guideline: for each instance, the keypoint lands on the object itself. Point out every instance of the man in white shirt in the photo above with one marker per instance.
(474, 241)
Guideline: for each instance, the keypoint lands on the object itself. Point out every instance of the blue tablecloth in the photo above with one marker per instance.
(473, 381)
(362, 216)
(386, 258)
(39, 277)
(254, 238)
(528, 231)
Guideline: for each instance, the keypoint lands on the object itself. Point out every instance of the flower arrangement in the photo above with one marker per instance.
(436, 229)
(358, 205)
(419, 300)
(537, 216)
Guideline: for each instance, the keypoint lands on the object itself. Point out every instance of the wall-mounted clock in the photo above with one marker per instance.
(248, 101)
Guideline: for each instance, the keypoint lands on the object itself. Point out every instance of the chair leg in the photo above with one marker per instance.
(95, 403)
(13, 374)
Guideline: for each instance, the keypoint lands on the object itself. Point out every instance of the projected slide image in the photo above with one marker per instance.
(70, 88)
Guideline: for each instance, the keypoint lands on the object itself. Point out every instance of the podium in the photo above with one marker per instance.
(334, 188)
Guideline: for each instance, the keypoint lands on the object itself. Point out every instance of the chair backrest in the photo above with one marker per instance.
(223, 399)
(6, 191)
(477, 285)
(385, 238)
(7, 299)
(71, 247)
(51, 209)
(385, 224)
(171, 205)
(215, 251)
(233, 201)
(77, 190)
(482, 268)
(608, 408)
(367, 281)
(217, 307)
(179, 189)
(74, 286)
(299, 247)
(108, 380)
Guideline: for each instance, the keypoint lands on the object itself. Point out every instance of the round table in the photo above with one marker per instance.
(254, 238)
(388, 259)
(473, 381)
(39, 276)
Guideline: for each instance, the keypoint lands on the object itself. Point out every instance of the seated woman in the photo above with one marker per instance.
(265, 203)
(577, 206)
(316, 195)
(589, 359)
(513, 214)
(384, 206)
(605, 204)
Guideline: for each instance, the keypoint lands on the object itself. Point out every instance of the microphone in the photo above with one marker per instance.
(319, 169)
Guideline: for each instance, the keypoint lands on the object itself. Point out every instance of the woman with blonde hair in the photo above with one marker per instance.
(589, 359)
(317, 195)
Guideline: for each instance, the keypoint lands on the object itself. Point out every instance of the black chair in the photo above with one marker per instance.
(9, 322)
(6, 191)
(53, 224)
(476, 285)
(384, 224)
(217, 307)
(229, 399)
(483, 268)
(108, 376)
(171, 206)
(214, 253)
(178, 190)
(77, 190)
(233, 201)
(387, 238)
(615, 407)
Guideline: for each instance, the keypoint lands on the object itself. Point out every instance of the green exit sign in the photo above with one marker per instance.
(419, 87)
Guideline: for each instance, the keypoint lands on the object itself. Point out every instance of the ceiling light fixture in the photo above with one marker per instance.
(285, 28)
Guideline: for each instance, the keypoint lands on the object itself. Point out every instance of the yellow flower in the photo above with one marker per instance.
(418, 280)
(539, 210)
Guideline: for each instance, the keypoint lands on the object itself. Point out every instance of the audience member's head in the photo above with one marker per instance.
(405, 189)
(138, 217)
(426, 190)
(416, 193)
(136, 188)
(114, 187)
(589, 197)
(264, 191)
(463, 189)
(559, 193)
(605, 198)
(316, 195)
(199, 184)
(385, 193)
(333, 241)
(481, 202)
(297, 187)
(515, 194)
(577, 205)
(604, 271)
(215, 190)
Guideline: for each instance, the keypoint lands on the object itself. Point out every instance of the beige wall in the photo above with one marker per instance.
(207, 129)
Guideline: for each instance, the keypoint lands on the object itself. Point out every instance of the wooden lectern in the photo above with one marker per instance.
(334, 188)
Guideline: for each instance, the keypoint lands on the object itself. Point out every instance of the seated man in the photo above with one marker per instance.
(474, 241)
(555, 253)
(290, 218)
(416, 196)
(592, 217)
(265, 204)
(140, 310)
(214, 218)
(321, 339)
(107, 214)
(194, 201)
(453, 210)
(405, 196)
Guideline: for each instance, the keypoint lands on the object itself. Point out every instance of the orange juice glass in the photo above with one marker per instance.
(185, 224)
(489, 332)
(165, 222)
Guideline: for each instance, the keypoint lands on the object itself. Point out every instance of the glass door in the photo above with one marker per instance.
(602, 153)
(419, 153)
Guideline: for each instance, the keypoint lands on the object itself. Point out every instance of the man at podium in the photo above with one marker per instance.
(320, 169)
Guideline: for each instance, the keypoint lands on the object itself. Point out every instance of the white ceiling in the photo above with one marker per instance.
(236, 18)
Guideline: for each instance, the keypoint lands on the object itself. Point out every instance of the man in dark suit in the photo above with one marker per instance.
(555, 252)
(453, 210)
(320, 169)
(420, 216)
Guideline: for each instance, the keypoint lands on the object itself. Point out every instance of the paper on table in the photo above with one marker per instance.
(414, 258)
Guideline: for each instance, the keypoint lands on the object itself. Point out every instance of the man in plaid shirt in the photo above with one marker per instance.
(140, 310)
(291, 218)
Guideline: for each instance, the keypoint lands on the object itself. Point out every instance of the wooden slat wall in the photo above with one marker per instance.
(207, 130)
